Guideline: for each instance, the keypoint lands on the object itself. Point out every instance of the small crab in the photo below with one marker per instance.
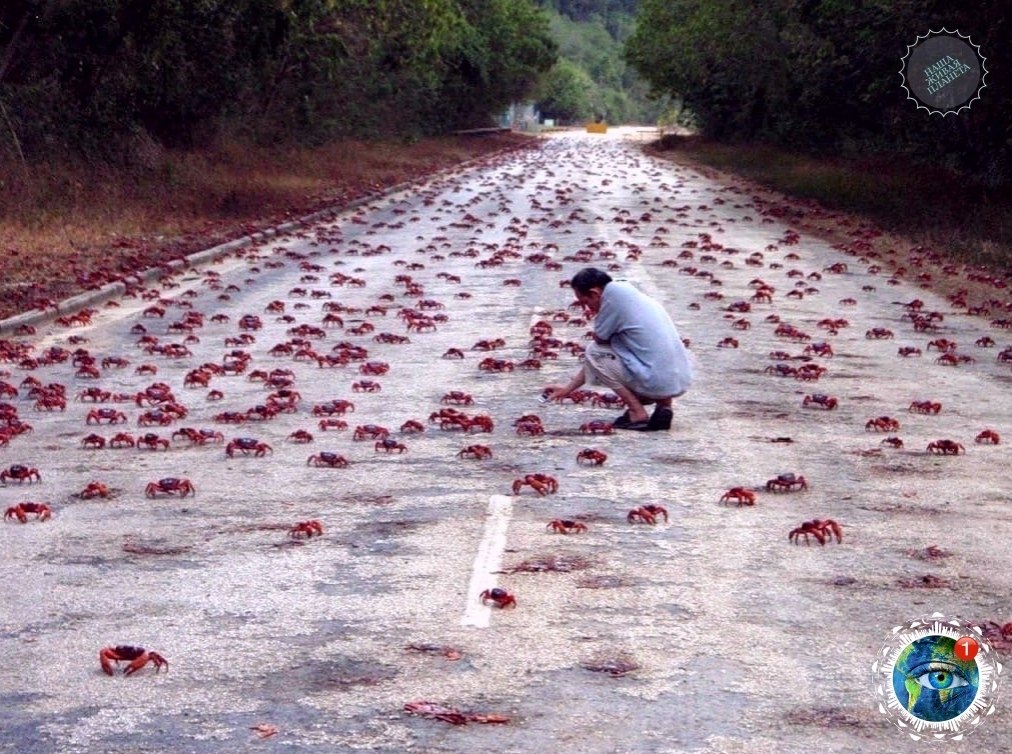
(330, 460)
(822, 529)
(306, 529)
(591, 457)
(738, 495)
(597, 427)
(786, 483)
(138, 657)
(647, 514)
(479, 452)
(498, 597)
(566, 526)
(946, 448)
(389, 445)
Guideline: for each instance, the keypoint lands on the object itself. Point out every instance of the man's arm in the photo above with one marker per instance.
(557, 392)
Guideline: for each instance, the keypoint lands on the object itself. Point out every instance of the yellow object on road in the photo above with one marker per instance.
(597, 128)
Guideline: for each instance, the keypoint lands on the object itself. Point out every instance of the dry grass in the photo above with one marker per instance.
(67, 227)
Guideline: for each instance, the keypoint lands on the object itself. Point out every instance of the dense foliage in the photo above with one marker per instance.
(93, 75)
(823, 74)
(592, 79)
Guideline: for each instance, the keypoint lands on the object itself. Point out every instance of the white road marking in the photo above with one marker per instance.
(488, 560)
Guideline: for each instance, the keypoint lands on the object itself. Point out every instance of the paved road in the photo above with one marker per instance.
(720, 635)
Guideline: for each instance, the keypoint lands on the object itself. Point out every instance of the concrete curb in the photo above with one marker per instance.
(205, 256)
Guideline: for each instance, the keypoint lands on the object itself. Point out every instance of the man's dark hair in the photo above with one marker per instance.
(589, 277)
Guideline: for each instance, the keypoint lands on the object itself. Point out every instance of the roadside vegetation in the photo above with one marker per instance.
(807, 98)
(972, 224)
(134, 130)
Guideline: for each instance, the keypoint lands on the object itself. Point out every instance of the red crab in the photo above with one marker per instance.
(453, 353)
(374, 368)
(158, 418)
(878, 333)
(306, 529)
(892, 442)
(449, 714)
(51, 403)
(942, 344)
(597, 427)
(498, 597)
(495, 365)
(540, 483)
(93, 442)
(93, 490)
(138, 657)
(366, 386)
(479, 452)
(647, 514)
(199, 436)
(822, 529)
(330, 460)
(300, 436)
(21, 511)
(988, 437)
(370, 432)
(412, 427)
(110, 415)
(152, 442)
(945, 448)
(591, 456)
(529, 427)
(247, 445)
(925, 407)
(607, 400)
(20, 474)
(326, 424)
(738, 495)
(786, 483)
(565, 526)
(92, 394)
(389, 445)
(457, 398)
(819, 400)
(170, 486)
(336, 407)
(819, 349)
(882, 424)
(907, 351)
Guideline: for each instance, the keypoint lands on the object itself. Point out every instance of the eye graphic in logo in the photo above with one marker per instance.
(937, 679)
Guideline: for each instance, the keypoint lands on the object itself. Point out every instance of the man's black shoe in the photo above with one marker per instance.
(661, 420)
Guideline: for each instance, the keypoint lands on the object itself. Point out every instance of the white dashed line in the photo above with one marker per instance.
(488, 560)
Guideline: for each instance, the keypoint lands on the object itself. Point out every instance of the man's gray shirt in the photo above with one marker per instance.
(643, 336)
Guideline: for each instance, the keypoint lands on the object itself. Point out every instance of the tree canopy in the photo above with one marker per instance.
(824, 74)
(88, 75)
(592, 78)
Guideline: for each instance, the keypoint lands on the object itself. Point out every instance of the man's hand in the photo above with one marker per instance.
(556, 392)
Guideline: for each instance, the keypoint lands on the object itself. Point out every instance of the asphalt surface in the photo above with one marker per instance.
(708, 633)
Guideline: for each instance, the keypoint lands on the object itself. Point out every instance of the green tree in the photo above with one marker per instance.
(565, 94)
(92, 75)
(823, 75)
